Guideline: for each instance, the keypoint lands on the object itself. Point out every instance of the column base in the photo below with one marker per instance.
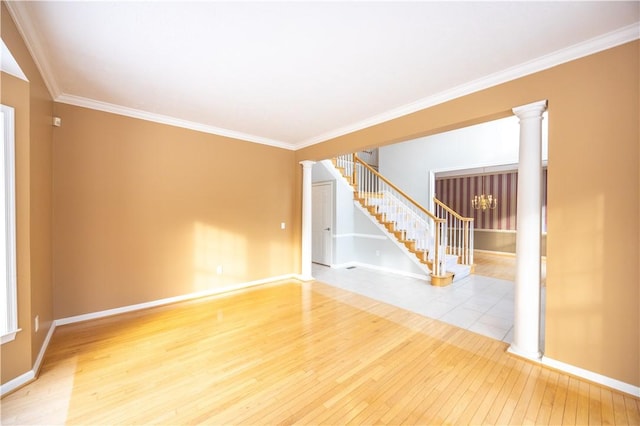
(442, 280)
(304, 277)
(529, 356)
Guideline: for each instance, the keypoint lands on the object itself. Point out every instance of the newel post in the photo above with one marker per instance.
(526, 326)
(305, 268)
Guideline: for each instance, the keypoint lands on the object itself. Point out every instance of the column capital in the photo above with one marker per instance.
(534, 109)
(307, 163)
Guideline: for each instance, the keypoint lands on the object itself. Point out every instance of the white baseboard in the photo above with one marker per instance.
(19, 381)
(591, 376)
(30, 375)
(43, 349)
(503, 253)
(354, 235)
(342, 265)
(169, 300)
(380, 268)
(498, 253)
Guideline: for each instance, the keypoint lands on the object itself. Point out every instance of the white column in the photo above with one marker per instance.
(305, 269)
(526, 327)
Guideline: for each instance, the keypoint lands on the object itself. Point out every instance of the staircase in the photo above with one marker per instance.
(422, 235)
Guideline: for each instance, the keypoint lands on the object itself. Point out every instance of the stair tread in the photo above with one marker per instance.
(401, 224)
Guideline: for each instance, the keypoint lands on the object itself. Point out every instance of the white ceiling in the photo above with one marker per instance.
(292, 74)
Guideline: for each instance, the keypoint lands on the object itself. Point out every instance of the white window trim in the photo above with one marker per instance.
(8, 133)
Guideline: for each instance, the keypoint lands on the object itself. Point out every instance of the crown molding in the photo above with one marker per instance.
(28, 32)
(8, 63)
(20, 17)
(606, 41)
(165, 119)
(588, 47)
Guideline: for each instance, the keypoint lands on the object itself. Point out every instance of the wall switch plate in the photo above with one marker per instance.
(36, 323)
(283, 225)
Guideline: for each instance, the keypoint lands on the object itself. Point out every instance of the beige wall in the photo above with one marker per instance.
(16, 355)
(33, 107)
(41, 136)
(501, 241)
(145, 211)
(593, 280)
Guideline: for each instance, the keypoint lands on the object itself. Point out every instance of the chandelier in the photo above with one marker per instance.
(484, 202)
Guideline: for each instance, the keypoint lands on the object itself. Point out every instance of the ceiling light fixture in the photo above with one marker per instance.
(484, 202)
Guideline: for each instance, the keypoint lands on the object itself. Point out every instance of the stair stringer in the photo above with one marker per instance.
(328, 164)
(401, 225)
(459, 271)
(452, 265)
(424, 268)
(414, 227)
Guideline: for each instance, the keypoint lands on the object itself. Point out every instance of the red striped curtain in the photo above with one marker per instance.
(457, 193)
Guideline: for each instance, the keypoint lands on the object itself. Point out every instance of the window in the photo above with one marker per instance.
(8, 291)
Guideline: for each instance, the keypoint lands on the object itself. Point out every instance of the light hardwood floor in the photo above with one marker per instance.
(502, 266)
(304, 353)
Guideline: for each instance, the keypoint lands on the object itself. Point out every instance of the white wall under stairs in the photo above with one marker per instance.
(405, 222)
(360, 240)
(357, 240)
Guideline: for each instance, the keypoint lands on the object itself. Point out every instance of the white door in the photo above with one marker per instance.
(322, 223)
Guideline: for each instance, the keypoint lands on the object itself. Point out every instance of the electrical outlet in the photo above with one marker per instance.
(377, 252)
(219, 270)
(283, 225)
(36, 323)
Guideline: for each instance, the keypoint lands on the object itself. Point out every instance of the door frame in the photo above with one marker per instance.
(332, 214)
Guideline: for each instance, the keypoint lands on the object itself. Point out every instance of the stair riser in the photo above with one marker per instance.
(410, 245)
(388, 215)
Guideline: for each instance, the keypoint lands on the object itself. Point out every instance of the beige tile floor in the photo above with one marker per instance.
(478, 303)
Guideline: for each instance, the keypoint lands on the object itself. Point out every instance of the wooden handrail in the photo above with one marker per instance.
(401, 192)
(451, 211)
